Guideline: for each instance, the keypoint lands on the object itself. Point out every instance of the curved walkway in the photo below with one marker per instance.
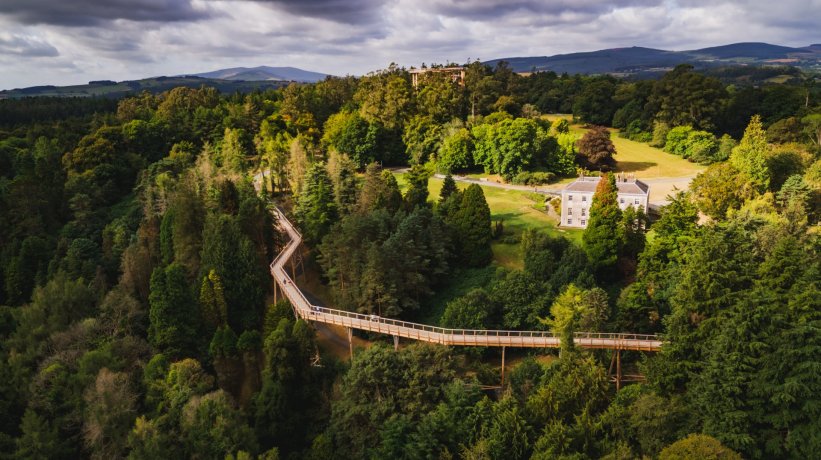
(434, 334)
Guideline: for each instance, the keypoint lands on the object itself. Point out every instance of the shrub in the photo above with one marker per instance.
(533, 178)
(677, 140)
(556, 204)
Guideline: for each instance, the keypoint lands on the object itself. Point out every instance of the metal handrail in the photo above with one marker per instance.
(308, 311)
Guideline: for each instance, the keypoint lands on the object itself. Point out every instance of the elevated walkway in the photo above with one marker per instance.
(434, 334)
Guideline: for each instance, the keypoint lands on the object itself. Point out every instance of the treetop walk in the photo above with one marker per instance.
(434, 334)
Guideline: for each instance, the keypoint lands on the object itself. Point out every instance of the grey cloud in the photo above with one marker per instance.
(26, 46)
(493, 9)
(343, 11)
(95, 12)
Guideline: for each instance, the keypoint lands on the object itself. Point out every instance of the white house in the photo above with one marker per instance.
(578, 196)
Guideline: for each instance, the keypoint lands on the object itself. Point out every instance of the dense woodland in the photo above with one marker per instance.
(138, 318)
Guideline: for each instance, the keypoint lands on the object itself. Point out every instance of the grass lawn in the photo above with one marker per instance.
(517, 210)
(649, 162)
(640, 159)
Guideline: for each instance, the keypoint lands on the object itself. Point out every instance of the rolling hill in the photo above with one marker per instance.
(112, 89)
(242, 79)
(263, 73)
(638, 60)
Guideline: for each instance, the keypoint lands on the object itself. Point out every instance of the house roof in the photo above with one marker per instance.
(624, 185)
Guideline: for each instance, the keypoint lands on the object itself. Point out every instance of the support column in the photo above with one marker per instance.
(618, 370)
(396, 343)
(276, 292)
(350, 340)
(302, 264)
(293, 270)
(503, 365)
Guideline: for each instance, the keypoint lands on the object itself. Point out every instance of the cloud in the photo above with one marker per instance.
(26, 46)
(353, 12)
(131, 39)
(76, 13)
(555, 11)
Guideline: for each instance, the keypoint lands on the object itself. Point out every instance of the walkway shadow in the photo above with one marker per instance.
(634, 166)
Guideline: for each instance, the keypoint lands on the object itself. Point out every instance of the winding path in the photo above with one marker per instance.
(434, 334)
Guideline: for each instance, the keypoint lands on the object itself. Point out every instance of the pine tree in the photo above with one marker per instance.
(750, 155)
(345, 191)
(166, 239)
(417, 193)
(316, 208)
(174, 322)
(634, 223)
(448, 188)
(391, 197)
(379, 191)
(472, 222)
(601, 239)
(212, 301)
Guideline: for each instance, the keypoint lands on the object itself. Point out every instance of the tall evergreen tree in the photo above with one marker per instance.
(343, 175)
(448, 188)
(231, 254)
(379, 191)
(391, 198)
(601, 239)
(173, 314)
(472, 222)
(316, 209)
(417, 193)
(750, 155)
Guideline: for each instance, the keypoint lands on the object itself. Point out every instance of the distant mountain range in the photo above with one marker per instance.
(635, 61)
(240, 79)
(263, 73)
(638, 60)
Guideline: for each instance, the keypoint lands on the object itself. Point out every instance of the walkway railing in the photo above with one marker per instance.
(435, 334)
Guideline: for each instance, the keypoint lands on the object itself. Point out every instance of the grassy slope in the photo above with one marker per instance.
(641, 159)
(517, 211)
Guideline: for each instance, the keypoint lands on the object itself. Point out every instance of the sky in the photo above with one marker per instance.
(65, 42)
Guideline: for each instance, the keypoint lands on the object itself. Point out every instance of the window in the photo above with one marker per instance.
(584, 198)
(584, 212)
(636, 201)
(569, 211)
(621, 200)
(584, 222)
(569, 197)
(569, 221)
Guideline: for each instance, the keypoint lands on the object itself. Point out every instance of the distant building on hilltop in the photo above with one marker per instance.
(578, 196)
(457, 74)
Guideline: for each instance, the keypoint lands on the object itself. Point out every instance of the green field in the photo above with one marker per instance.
(642, 160)
(518, 213)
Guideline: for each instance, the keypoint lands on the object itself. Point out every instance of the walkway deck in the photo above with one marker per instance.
(435, 334)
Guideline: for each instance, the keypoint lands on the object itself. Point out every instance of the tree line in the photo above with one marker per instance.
(137, 319)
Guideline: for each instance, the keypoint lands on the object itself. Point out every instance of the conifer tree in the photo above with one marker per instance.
(417, 193)
(173, 315)
(316, 208)
(379, 191)
(344, 181)
(472, 222)
(212, 301)
(166, 239)
(601, 239)
(448, 188)
(750, 155)
(391, 197)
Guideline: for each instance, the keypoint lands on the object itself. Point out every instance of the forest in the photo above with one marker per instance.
(138, 318)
